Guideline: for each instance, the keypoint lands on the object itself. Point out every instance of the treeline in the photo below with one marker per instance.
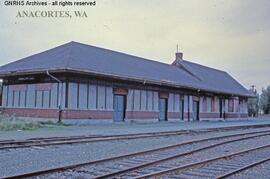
(261, 104)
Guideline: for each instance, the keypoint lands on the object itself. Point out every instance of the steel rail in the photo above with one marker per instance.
(13, 144)
(36, 173)
(188, 166)
(242, 168)
(83, 139)
(173, 157)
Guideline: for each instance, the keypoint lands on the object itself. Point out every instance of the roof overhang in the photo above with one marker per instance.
(119, 77)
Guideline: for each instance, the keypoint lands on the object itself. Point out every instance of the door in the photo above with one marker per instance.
(196, 108)
(119, 108)
(220, 108)
(182, 109)
(162, 109)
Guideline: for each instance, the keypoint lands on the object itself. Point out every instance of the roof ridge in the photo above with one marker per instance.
(123, 53)
(96, 60)
(138, 58)
(212, 68)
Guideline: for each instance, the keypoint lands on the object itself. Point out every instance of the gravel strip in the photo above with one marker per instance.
(223, 166)
(38, 158)
(91, 171)
(261, 171)
(125, 128)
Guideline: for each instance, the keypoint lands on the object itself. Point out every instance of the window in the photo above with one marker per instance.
(209, 104)
(16, 95)
(92, 97)
(143, 100)
(231, 105)
(137, 100)
(213, 104)
(82, 95)
(150, 100)
(204, 104)
(73, 95)
(173, 102)
(176, 102)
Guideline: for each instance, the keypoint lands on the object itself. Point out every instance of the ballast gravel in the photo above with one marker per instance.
(126, 128)
(261, 171)
(17, 161)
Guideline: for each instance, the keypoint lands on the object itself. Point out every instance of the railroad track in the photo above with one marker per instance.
(244, 167)
(13, 144)
(219, 167)
(125, 166)
(33, 142)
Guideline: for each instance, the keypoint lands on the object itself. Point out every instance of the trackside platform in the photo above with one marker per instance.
(126, 128)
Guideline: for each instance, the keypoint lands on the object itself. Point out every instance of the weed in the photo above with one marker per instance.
(8, 123)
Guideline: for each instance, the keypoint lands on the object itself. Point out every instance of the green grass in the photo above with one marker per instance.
(9, 123)
(51, 124)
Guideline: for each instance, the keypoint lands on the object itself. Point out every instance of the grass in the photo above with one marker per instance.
(51, 124)
(9, 123)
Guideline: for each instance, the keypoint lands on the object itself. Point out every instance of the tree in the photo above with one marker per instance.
(253, 104)
(265, 100)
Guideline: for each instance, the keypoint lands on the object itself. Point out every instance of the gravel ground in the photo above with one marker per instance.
(207, 154)
(218, 168)
(224, 149)
(261, 171)
(93, 170)
(125, 128)
(17, 161)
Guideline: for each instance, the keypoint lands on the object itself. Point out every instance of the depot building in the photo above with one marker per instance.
(78, 81)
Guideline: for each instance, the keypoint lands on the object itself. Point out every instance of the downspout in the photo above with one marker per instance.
(188, 109)
(224, 108)
(59, 97)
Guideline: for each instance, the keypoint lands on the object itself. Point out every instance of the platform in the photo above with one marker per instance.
(126, 128)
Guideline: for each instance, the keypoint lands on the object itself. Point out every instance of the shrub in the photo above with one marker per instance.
(13, 123)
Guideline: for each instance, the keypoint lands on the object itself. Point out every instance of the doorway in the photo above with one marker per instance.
(182, 104)
(196, 108)
(163, 106)
(119, 106)
(220, 108)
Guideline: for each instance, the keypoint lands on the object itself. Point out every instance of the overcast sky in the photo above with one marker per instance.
(231, 35)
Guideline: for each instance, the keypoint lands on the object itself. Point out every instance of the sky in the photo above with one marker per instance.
(231, 35)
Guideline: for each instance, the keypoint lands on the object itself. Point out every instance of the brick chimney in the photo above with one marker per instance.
(178, 59)
(179, 56)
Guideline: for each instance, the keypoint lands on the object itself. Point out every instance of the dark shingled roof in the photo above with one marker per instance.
(79, 57)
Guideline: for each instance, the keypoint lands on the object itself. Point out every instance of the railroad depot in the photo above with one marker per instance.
(78, 81)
